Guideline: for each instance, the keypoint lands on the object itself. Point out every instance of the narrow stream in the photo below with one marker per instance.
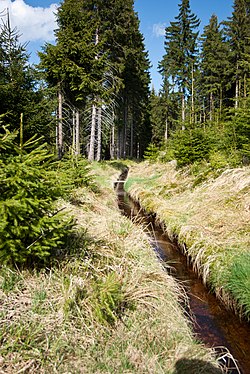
(213, 324)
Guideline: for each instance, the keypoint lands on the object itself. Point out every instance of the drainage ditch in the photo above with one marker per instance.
(213, 324)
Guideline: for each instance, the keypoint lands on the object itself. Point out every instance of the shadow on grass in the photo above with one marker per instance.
(187, 366)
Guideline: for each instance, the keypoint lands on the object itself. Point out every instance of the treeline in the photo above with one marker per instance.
(24, 96)
(100, 69)
(90, 92)
(203, 108)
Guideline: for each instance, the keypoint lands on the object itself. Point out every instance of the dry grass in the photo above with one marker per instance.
(211, 220)
(106, 307)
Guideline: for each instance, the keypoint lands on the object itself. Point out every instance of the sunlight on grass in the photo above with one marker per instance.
(211, 219)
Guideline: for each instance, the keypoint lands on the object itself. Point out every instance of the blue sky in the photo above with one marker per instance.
(35, 20)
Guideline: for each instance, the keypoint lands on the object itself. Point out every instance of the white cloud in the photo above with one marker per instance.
(34, 23)
(159, 29)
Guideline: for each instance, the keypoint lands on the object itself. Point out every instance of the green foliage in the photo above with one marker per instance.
(239, 282)
(238, 130)
(100, 59)
(203, 97)
(107, 298)
(21, 89)
(151, 152)
(181, 48)
(215, 66)
(31, 227)
(38, 300)
(189, 146)
(9, 279)
(74, 173)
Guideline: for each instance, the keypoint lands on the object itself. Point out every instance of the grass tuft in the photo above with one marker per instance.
(239, 282)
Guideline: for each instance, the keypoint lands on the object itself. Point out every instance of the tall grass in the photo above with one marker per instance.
(107, 306)
(211, 220)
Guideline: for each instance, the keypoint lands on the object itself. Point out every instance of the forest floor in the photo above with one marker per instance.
(107, 305)
(210, 217)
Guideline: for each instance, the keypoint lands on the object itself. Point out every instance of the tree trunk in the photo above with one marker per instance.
(131, 137)
(220, 113)
(166, 129)
(59, 130)
(192, 97)
(183, 114)
(77, 135)
(73, 133)
(211, 109)
(112, 139)
(99, 134)
(237, 91)
(119, 142)
(245, 86)
(91, 155)
(124, 140)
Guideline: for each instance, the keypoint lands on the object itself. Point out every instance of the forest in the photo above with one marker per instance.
(90, 94)
(78, 280)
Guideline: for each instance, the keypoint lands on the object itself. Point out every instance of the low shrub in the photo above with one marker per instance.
(31, 227)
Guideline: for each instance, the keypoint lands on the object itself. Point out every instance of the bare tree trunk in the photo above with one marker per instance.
(245, 86)
(166, 129)
(183, 114)
(211, 109)
(244, 90)
(220, 113)
(192, 96)
(77, 141)
(124, 140)
(138, 151)
(112, 139)
(91, 155)
(119, 142)
(236, 94)
(59, 130)
(73, 133)
(131, 137)
(99, 133)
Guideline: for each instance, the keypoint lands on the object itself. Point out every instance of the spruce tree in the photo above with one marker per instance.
(14, 77)
(179, 62)
(99, 58)
(22, 93)
(215, 68)
(238, 31)
(130, 65)
(31, 228)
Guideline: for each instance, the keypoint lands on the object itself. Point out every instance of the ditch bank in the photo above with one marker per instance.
(214, 324)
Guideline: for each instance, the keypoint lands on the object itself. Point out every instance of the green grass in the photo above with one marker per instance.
(239, 282)
(148, 182)
(9, 279)
(210, 218)
(105, 305)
